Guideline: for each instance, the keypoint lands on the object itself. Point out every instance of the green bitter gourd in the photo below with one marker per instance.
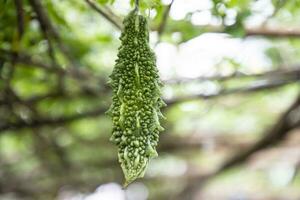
(136, 102)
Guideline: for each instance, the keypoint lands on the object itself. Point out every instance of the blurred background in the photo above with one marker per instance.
(231, 71)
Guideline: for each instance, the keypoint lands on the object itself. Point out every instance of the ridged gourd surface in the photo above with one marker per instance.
(135, 109)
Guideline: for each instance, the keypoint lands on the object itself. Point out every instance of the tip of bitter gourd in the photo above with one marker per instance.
(126, 183)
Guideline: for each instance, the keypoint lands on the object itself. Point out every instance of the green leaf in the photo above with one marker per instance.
(103, 2)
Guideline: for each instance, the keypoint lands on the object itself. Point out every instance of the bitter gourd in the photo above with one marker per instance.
(136, 101)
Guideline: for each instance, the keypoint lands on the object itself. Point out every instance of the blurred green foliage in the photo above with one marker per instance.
(54, 134)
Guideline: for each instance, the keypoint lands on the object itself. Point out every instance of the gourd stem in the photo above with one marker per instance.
(137, 5)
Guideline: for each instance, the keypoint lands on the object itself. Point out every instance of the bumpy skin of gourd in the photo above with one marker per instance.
(135, 109)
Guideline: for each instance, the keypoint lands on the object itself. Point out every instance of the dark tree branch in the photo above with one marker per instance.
(259, 31)
(82, 76)
(55, 95)
(46, 27)
(29, 61)
(277, 33)
(282, 72)
(49, 29)
(52, 121)
(275, 135)
(96, 94)
(252, 88)
(282, 76)
(170, 143)
(100, 111)
(20, 17)
(43, 19)
(102, 12)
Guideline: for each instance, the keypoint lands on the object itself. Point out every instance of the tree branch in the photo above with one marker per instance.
(102, 12)
(276, 134)
(283, 76)
(29, 61)
(20, 17)
(52, 121)
(269, 32)
(277, 32)
(100, 111)
(22, 58)
(280, 73)
(48, 28)
(252, 88)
